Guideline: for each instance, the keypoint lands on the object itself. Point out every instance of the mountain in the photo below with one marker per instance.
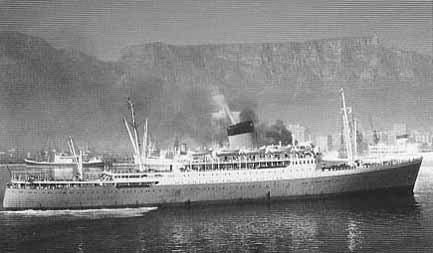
(47, 94)
(51, 93)
(296, 81)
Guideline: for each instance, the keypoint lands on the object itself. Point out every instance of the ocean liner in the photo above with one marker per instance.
(238, 173)
(66, 160)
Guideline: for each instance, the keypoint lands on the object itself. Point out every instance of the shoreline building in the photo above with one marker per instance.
(298, 132)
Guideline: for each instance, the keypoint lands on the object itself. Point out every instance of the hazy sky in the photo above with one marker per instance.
(103, 28)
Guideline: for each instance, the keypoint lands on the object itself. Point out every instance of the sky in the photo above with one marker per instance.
(103, 28)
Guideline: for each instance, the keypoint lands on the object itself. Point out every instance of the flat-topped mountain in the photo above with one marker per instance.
(47, 91)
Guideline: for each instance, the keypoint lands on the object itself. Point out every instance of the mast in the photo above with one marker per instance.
(144, 144)
(346, 130)
(134, 124)
(131, 138)
(355, 138)
(134, 137)
(72, 147)
(69, 146)
(77, 158)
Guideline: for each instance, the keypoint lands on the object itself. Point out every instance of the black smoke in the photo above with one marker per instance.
(267, 134)
(248, 114)
(278, 133)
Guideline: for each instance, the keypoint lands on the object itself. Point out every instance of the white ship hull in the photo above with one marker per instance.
(229, 186)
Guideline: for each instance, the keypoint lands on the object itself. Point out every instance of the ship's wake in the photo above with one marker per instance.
(84, 213)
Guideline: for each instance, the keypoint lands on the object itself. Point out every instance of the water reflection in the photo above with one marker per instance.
(354, 235)
(308, 225)
(297, 225)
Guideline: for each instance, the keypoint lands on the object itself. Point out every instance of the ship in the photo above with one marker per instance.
(240, 172)
(66, 160)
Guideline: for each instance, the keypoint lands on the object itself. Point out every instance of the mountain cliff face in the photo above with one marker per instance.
(295, 81)
(298, 68)
(71, 93)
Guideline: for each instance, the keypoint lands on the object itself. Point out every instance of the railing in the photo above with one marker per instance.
(389, 163)
(247, 164)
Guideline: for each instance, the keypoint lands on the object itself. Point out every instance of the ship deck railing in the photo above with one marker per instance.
(389, 163)
(52, 184)
(246, 164)
(223, 161)
(55, 185)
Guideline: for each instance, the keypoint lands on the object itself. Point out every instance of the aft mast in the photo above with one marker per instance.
(133, 135)
(346, 129)
(144, 144)
(355, 137)
(134, 123)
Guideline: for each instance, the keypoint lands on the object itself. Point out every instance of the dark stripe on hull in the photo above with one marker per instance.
(389, 180)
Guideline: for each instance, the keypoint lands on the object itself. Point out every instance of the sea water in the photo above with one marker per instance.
(369, 223)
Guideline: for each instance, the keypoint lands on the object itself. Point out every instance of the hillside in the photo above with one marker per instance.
(295, 81)
(50, 93)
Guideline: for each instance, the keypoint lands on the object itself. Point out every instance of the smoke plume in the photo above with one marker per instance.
(267, 134)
